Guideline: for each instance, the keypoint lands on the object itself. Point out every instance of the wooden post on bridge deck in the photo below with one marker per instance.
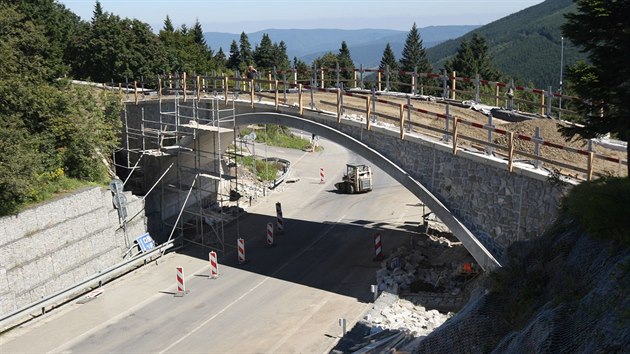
(496, 94)
(542, 103)
(589, 166)
(160, 88)
(226, 82)
(510, 151)
(270, 82)
(184, 86)
(368, 111)
(453, 85)
(322, 76)
(135, 91)
(198, 87)
(402, 121)
(301, 107)
(276, 98)
(338, 105)
(455, 136)
(251, 91)
(354, 82)
(379, 78)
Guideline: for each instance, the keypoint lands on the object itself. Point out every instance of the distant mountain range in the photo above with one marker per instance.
(525, 45)
(366, 45)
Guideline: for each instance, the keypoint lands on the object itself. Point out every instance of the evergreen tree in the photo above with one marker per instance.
(328, 62)
(246, 55)
(389, 60)
(481, 58)
(302, 69)
(601, 28)
(264, 54)
(220, 59)
(168, 25)
(414, 56)
(234, 61)
(197, 34)
(281, 57)
(97, 12)
(345, 62)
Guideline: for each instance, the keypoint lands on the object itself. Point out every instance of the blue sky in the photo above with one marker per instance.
(236, 16)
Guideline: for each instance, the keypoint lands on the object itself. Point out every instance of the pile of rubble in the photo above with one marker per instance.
(420, 287)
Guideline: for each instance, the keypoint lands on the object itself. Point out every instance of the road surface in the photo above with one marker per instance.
(286, 298)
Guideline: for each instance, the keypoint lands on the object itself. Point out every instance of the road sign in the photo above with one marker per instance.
(145, 242)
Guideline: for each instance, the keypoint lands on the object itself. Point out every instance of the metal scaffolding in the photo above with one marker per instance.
(180, 149)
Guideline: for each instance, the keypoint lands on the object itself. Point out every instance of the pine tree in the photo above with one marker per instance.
(389, 60)
(168, 25)
(482, 61)
(414, 56)
(345, 62)
(197, 34)
(220, 59)
(282, 59)
(98, 11)
(234, 61)
(601, 28)
(264, 54)
(246, 55)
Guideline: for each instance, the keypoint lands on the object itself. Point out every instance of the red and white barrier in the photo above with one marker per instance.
(181, 288)
(270, 234)
(240, 245)
(321, 175)
(378, 248)
(214, 267)
(279, 220)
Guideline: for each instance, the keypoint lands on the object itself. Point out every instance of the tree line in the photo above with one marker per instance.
(52, 132)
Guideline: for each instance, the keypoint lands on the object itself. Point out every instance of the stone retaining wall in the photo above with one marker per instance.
(50, 247)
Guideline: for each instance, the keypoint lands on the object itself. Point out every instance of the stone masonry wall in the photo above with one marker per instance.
(50, 247)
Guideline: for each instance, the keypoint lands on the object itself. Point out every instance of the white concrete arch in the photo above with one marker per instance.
(482, 255)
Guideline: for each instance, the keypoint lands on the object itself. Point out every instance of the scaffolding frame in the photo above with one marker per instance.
(188, 130)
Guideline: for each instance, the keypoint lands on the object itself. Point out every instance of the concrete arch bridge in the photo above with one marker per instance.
(487, 202)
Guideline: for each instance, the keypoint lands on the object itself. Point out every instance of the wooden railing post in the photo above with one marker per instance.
(402, 120)
(354, 80)
(496, 94)
(159, 88)
(510, 151)
(368, 112)
(198, 87)
(135, 91)
(270, 82)
(276, 98)
(226, 83)
(322, 76)
(542, 103)
(251, 91)
(301, 107)
(455, 121)
(453, 86)
(589, 166)
(184, 86)
(379, 78)
(338, 105)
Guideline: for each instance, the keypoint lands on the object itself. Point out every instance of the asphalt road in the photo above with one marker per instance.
(286, 298)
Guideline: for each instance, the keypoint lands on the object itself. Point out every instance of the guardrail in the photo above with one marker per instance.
(19, 316)
(458, 131)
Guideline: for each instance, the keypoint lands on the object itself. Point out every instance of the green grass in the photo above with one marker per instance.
(265, 171)
(276, 135)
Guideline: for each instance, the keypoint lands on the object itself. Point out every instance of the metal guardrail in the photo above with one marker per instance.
(17, 317)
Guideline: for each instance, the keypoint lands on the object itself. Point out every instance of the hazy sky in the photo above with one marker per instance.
(236, 16)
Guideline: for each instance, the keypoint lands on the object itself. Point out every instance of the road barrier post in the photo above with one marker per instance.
(270, 234)
(321, 175)
(279, 220)
(240, 245)
(214, 268)
(378, 248)
(181, 288)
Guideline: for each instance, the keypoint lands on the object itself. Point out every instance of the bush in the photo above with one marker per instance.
(601, 208)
